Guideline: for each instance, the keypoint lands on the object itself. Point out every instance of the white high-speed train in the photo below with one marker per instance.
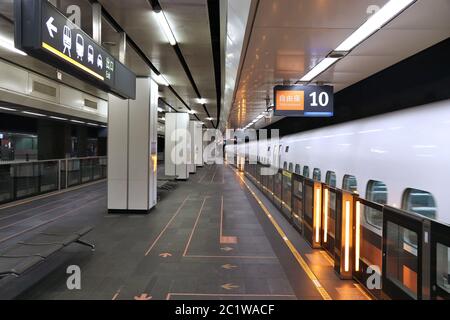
(400, 158)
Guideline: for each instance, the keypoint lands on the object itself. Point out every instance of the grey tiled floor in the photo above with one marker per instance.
(204, 240)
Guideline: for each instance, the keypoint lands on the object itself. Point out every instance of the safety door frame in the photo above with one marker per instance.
(286, 208)
(298, 219)
(413, 223)
(440, 233)
(328, 246)
(313, 225)
(345, 227)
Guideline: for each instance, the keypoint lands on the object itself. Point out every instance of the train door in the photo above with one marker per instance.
(402, 255)
(440, 261)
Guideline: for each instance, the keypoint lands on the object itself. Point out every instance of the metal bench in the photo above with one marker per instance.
(27, 254)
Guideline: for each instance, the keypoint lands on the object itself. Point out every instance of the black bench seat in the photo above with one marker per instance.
(26, 254)
(17, 266)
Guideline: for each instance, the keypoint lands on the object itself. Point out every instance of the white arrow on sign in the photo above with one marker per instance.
(51, 28)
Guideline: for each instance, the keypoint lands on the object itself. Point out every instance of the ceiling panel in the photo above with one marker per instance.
(289, 37)
(187, 19)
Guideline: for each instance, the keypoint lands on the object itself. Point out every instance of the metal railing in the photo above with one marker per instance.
(19, 180)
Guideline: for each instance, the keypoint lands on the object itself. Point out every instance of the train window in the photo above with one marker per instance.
(350, 183)
(285, 165)
(376, 192)
(306, 171)
(287, 149)
(330, 179)
(291, 167)
(420, 202)
(317, 175)
(297, 169)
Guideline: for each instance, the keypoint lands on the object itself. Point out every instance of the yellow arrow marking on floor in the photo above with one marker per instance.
(229, 266)
(229, 286)
(165, 255)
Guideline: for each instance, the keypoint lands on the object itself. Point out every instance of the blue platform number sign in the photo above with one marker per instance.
(304, 101)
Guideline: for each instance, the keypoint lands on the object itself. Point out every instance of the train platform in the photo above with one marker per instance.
(214, 237)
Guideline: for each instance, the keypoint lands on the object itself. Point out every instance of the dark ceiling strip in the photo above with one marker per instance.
(137, 49)
(6, 18)
(170, 106)
(167, 104)
(214, 25)
(157, 6)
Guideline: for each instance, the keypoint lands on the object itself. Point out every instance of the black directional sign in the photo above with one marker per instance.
(304, 101)
(45, 33)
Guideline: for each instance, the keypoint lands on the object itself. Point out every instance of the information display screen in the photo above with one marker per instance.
(304, 101)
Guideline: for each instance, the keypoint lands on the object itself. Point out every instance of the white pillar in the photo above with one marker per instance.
(177, 145)
(132, 150)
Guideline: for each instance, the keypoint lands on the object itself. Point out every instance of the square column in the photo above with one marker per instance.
(177, 145)
(132, 150)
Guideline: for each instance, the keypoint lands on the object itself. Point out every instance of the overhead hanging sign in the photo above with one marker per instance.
(304, 101)
(45, 33)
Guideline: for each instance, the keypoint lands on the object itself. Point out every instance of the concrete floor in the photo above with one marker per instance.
(207, 239)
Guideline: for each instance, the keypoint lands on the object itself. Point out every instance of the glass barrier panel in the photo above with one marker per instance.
(86, 170)
(96, 169)
(297, 211)
(277, 189)
(329, 222)
(73, 172)
(26, 177)
(49, 176)
(286, 194)
(6, 183)
(442, 271)
(401, 259)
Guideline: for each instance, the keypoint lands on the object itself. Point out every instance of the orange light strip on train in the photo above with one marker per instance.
(71, 61)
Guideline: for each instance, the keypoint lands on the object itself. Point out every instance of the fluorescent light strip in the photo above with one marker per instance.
(7, 109)
(357, 234)
(318, 209)
(8, 44)
(202, 100)
(389, 11)
(347, 237)
(58, 118)
(92, 124)
(34, 114)
(161, 80)
(164, 25)
(319, 68)
(77, 121)
(325, 216)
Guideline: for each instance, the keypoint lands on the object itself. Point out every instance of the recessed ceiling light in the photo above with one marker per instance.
(161, 80)
(319, 68)
(7, 109)
(192, 112)
(389, 11)
(202, 100)
(58, 118)
(77, 121)
(164, 25)
(34, 114)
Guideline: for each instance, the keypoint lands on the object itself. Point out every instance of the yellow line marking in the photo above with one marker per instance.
(327, 257)
(71, 61)
(169, 295)
(364, 293)
(289, 244)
